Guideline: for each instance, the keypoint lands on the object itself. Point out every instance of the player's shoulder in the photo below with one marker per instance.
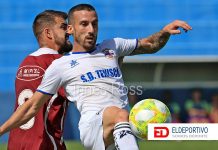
(42, 55)
(61, 61)
(111, 43)
(43, 60)
(44, 51)
(107, 43)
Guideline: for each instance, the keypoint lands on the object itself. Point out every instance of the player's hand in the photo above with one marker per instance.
(173, 27)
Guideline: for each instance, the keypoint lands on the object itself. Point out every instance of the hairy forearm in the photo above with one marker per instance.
(152, 43)
(21, 116)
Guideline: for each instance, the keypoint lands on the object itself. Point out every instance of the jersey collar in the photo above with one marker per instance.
(83, 52)
(44, 50)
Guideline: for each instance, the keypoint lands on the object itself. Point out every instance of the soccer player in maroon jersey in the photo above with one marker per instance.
(45, 130)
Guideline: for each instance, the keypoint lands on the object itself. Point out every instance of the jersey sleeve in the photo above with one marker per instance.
(51, 80)
(125, 47)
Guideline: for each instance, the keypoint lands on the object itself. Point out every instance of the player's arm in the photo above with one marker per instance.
(157, 41)
(25, 112)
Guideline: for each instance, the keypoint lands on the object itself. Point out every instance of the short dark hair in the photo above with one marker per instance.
(79, 7)
(46, 18)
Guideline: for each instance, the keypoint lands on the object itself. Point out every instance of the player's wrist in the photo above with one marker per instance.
(1, 132)
(165, 31)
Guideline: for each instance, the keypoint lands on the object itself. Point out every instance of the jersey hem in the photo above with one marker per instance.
(44, 92)
(136, 45)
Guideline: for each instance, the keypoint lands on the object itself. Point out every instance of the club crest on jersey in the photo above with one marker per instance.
(74, 63)
(108, 53)
(30, 73)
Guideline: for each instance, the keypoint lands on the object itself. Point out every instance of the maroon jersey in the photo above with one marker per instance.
(45, 130)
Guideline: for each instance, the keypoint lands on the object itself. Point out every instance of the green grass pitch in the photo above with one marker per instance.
(154, 145)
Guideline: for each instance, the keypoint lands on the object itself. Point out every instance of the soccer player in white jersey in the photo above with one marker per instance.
(92, 79)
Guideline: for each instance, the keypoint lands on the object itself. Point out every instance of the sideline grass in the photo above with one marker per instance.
(155, 145)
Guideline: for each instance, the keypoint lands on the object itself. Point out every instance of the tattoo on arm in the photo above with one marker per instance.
(152, 43)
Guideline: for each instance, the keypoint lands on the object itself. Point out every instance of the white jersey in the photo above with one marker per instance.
(92, 80)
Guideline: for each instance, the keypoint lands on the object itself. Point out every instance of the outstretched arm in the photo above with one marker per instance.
(157, 41)
(25, 112)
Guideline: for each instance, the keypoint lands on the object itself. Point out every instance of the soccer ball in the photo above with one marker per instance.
(147, 111)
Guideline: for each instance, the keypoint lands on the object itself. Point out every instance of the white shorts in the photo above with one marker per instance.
(91, 131)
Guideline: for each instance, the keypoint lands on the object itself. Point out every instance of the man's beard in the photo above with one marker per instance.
(65, 48)
(87, 45)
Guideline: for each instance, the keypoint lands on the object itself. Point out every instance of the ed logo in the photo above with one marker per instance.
(161, 132)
